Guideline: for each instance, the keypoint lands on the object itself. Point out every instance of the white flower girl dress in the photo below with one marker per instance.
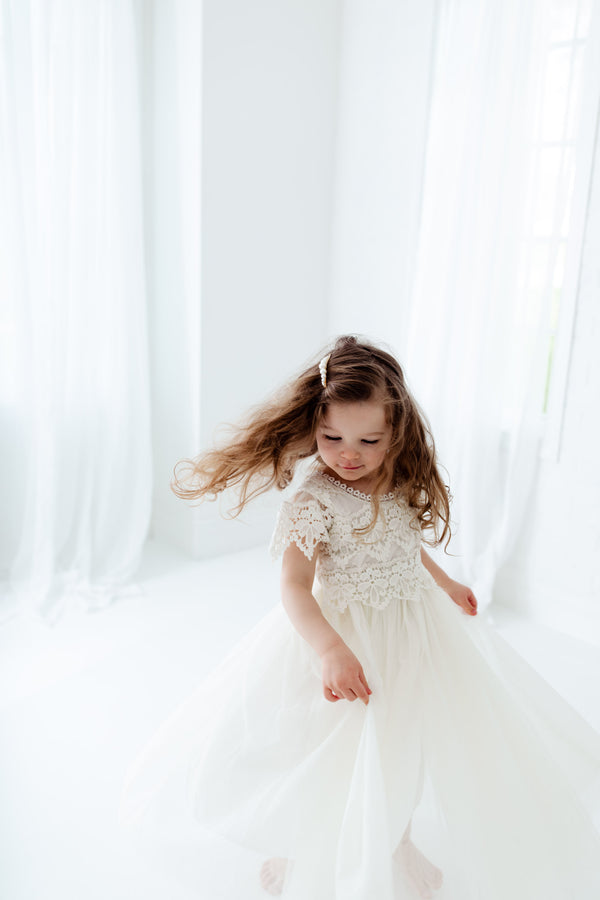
(461, 739)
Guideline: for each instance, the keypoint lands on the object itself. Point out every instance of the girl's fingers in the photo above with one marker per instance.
(363, 682)
(360, 693)
(350, 694)
(346, 694)
(339, 694)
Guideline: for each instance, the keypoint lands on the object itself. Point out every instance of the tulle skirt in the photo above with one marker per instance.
(463, 751)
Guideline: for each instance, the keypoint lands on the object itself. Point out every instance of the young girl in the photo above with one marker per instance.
(371, 705)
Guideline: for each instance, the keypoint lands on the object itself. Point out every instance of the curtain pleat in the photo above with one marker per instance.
(74, 296)
(476, 347)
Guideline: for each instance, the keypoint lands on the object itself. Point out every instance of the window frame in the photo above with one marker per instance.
(585, 151)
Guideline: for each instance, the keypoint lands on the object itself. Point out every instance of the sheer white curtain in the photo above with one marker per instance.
(476, 347)
(75, 383)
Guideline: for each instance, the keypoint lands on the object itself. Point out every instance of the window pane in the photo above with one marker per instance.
(566, 191)
(584, 18)
(563, 15)
(575, 92)
(557, 283)
(546, 195)
(539, 262)
(556, 94)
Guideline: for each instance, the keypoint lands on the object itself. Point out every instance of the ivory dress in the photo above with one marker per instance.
(497, 773)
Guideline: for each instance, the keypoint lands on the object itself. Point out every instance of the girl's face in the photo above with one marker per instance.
(352, 440)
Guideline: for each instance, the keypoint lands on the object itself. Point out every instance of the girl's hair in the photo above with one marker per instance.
(263, 451)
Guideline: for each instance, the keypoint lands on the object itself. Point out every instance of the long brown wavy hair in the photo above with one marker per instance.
(263, 451)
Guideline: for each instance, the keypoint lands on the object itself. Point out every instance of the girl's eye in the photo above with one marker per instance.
(328, 437)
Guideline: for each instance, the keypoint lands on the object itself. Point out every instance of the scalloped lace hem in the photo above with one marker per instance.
(305, 525)
(376, 585)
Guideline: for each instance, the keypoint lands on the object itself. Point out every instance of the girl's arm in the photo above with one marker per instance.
(343, 676)
(462, 595)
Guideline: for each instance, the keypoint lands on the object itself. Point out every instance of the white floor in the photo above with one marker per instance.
(77, 700)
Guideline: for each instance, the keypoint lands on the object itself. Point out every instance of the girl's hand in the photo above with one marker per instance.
(343, 676)
(463, 596)
(460, 593)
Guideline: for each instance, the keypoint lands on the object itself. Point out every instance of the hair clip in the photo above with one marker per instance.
(323, 369)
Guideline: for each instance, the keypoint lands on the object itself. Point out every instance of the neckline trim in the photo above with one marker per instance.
(354, 491)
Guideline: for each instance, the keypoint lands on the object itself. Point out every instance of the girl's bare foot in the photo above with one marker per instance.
(424, 877)
(272, 875)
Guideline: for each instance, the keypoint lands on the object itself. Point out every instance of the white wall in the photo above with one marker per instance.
(293, 233)
(269, 115)
(171, 78)
(385, 71)
(238, 294)
(554, 574)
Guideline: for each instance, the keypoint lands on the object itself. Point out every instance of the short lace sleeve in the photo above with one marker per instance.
(303, 521)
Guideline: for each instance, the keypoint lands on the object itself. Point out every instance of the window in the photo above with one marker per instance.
(563, 160)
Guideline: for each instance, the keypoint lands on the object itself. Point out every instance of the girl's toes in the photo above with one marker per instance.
(423, 875)
(272, 875)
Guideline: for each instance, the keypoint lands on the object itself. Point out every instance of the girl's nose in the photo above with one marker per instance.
(350, 454)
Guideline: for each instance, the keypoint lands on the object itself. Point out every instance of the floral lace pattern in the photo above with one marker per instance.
(375, 586)
(304, 523)
(375, 568)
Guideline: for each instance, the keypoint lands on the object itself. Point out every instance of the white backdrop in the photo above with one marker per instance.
(307, 169)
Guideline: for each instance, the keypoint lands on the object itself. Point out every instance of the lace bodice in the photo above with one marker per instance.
(374, 568)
